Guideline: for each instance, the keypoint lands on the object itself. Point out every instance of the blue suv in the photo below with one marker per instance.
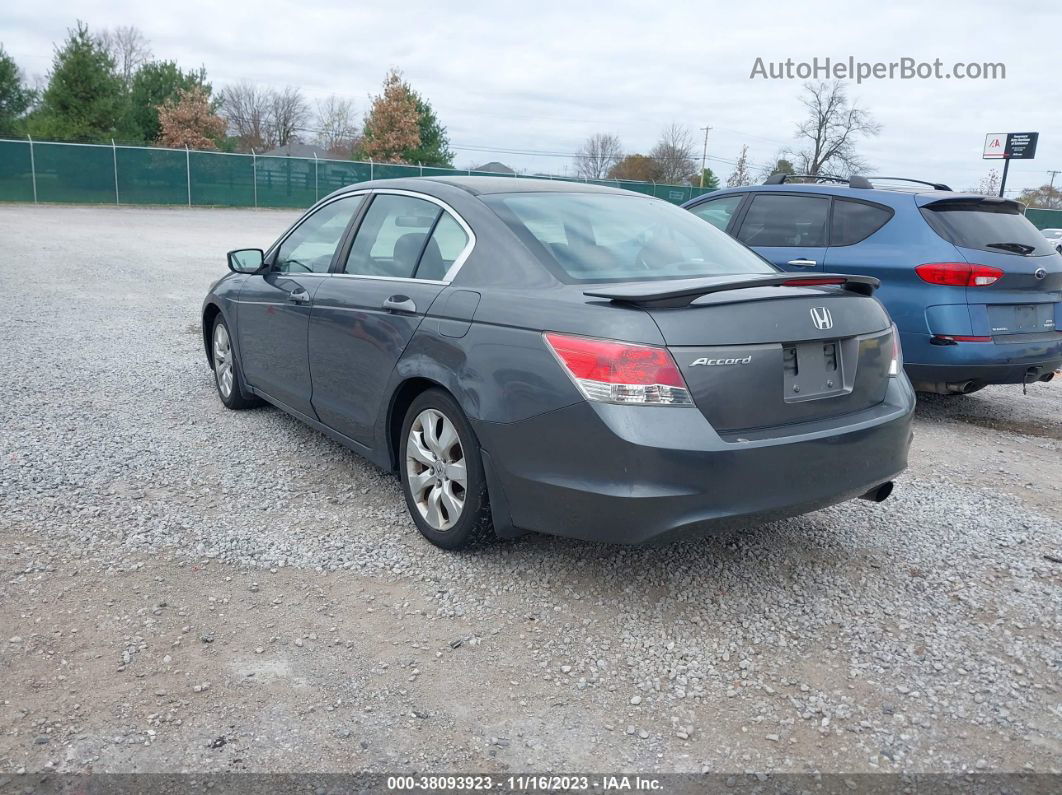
(974, 288)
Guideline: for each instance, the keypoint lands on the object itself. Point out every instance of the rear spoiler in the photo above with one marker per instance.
(683, 292)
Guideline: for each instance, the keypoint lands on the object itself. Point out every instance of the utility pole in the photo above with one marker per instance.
(1053, 175)
(704, 153)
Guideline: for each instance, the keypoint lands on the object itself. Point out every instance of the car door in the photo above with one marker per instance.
(392, 268)
(274, 307)
(789, 229)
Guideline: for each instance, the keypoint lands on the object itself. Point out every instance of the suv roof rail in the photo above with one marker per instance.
(854, 181)
(933, 185)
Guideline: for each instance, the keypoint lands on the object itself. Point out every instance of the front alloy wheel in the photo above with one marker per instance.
(227, 368)
(223, 360)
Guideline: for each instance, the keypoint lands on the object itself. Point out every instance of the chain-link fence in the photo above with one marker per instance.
(1044, 219)
(40, 171)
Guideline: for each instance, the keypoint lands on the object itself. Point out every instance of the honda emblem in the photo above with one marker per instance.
(821, 317)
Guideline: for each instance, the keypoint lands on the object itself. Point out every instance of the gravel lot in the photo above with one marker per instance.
(189, 588)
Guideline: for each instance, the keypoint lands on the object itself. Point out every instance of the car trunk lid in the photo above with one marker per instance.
(768, 351)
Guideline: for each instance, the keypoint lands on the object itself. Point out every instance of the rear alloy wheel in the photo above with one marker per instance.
(442, 474)
(227, 369)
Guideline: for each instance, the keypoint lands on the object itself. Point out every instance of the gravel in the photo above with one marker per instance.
(920, 634)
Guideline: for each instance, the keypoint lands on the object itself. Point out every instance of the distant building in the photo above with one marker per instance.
(293, 149)
(494, 167)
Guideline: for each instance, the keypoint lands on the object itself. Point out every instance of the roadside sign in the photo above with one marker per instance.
(995, 146)
(1007, 147)
(1010, 146)
(1022, 146)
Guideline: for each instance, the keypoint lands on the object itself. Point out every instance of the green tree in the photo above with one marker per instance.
(154, 84)
(392, 127)
(15, 97)
(84, 98)
(711, 181)
(402, 127)
(434, 149)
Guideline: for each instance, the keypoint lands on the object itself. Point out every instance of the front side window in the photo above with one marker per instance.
(310, 247)
(595, 237)
(392, 236)
(718, 212)
(793, 221)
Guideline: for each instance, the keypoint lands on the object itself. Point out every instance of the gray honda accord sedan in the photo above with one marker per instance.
(546, 356)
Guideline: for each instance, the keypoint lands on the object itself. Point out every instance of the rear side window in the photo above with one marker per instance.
(718, 212)
(986, 226)
(391, 237)
(856, 221)
(774, 220)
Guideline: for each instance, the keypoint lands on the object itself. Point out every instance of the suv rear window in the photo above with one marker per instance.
(986, 226)
(854, 221)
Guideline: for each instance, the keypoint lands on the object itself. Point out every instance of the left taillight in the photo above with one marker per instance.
(896, 365)
(620, 372)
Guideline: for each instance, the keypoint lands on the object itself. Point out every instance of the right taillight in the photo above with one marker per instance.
(619, 372)
(958, 274)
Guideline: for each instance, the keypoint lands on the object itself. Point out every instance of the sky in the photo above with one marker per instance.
(526, 82)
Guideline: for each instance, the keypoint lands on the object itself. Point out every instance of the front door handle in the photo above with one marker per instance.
(400, 303)
(803, 263)
(299, 296)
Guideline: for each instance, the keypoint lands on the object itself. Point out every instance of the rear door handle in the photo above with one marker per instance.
(299, 296)
(803, 263)
(400, 303)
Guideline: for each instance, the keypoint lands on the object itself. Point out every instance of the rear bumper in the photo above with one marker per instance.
(997, 362)
(632, 474)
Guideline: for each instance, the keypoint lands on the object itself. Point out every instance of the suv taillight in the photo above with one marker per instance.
(620, 372)
(958, 274)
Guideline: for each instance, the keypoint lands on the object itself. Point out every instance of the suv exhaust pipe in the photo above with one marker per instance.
(956, 388)
(878, 493)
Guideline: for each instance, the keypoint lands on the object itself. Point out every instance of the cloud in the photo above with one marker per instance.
(542, 76)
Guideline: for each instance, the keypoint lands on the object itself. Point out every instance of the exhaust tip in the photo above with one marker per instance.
(879, 493)
(1047, 377)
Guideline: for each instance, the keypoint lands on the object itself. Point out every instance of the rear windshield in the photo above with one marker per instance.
(586, 237)
(987, 227)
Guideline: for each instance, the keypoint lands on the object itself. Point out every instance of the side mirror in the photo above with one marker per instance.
(246, 260)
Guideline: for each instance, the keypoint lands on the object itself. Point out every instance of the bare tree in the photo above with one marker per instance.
(288, 115)
(337, 125)
(831, 131)
(673, 154)
(598, 154)
(1046, 197)
(740, 175)
(989, 184)
(247, 110)
(128, 48)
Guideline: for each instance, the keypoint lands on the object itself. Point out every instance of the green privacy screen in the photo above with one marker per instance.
(95, 174)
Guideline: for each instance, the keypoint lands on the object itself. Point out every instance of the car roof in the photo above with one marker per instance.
(483, 185)
(883, 195)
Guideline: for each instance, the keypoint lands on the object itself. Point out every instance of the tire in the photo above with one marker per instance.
(227, 376)
(436, 438)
